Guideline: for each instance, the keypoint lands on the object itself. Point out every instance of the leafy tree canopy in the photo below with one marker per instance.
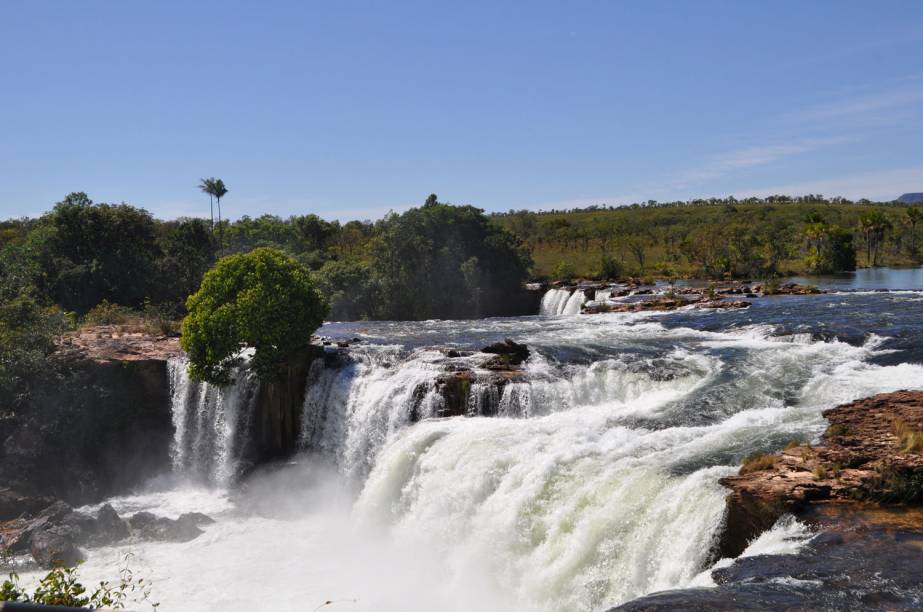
(263, 300)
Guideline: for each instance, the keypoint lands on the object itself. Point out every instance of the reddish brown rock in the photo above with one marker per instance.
(104, 343)
(866, 454)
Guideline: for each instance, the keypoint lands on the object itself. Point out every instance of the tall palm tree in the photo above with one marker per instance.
(216, 190)
(873, 225)
(913, 217)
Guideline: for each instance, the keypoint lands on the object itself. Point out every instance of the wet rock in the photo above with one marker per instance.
(863, 558)
(147, 526)
(510, 353)
(53, 547)
(196, 518)
(14, 504)
(109, 527)
(723, 304)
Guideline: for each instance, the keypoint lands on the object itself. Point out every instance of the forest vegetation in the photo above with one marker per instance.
(89, 262)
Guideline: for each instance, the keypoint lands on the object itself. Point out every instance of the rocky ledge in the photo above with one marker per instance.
(104, 343)
(871, 451)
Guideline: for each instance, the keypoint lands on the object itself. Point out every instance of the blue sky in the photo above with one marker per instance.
(349, 109)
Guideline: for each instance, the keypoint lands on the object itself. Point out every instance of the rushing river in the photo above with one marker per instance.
(597, 481)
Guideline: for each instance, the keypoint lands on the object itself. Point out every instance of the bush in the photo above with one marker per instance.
(106, 313)
(263, 300)
(564, 270)
(609, 268)
(27, 335)
(61, 587)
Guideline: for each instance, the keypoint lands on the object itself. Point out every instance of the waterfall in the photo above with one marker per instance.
(211, 424)
(557, 302)
(350, 412)
(574, 302)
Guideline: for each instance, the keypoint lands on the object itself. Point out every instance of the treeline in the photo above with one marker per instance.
(436, 261)
(756, 237)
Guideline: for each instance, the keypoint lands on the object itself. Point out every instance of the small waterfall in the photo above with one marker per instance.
(350, 411)
(557, 302)
(211, 424)
(574, 302)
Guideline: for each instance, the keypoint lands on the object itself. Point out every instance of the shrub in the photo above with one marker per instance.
(263, 300)
(61, 587)
(106, 313)
(565, 270)
(609, 267)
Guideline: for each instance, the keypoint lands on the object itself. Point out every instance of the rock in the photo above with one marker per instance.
(866, 455)
(53, 547)
(511, 352)
(109, 527)
(14, 504)
(723, 304)
(196, 518)
(147, 526)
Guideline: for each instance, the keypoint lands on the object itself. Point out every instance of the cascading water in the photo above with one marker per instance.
(596, 481)
(555, 301)
(210, 424)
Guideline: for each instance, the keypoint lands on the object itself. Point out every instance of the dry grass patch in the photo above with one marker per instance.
(909, 439)
(758, 462)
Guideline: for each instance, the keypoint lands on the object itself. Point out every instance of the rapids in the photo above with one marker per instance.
(596, 482)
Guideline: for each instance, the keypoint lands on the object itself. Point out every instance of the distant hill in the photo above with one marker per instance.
(910, 198)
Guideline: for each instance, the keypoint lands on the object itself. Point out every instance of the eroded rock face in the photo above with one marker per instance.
(100, 426)
(864, 456)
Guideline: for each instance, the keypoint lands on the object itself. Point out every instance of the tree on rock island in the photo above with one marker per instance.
(262, 300)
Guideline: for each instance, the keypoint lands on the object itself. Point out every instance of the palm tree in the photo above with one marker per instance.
(913, 217)
(873, 225)
(216, 190)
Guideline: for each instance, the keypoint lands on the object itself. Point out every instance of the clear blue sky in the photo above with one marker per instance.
(349, 109)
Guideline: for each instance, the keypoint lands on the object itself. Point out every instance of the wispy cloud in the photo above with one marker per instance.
(722, 164)
(874, 106)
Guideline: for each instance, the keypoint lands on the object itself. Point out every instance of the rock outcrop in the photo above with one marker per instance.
(100, 425)
(872, 451)
(55, 535)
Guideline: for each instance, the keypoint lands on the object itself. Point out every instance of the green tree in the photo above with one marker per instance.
(263, 300)
(89, 252)
(349, 287)
(418, 257)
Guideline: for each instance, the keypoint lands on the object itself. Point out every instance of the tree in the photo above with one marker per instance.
(263, 300)
(913, 217)
(419, 264)
(216, 190)
(873, 225)
(90, 252)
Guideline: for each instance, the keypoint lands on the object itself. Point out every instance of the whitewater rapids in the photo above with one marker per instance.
(596, 483)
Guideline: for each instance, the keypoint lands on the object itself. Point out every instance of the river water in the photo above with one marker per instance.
(596, 482)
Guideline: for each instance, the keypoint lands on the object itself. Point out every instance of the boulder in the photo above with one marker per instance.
(147, 526)
(109, 527)
(53, 547)
(509, 351)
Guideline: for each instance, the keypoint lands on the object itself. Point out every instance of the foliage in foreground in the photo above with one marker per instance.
(61, 587)
(263, 300)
